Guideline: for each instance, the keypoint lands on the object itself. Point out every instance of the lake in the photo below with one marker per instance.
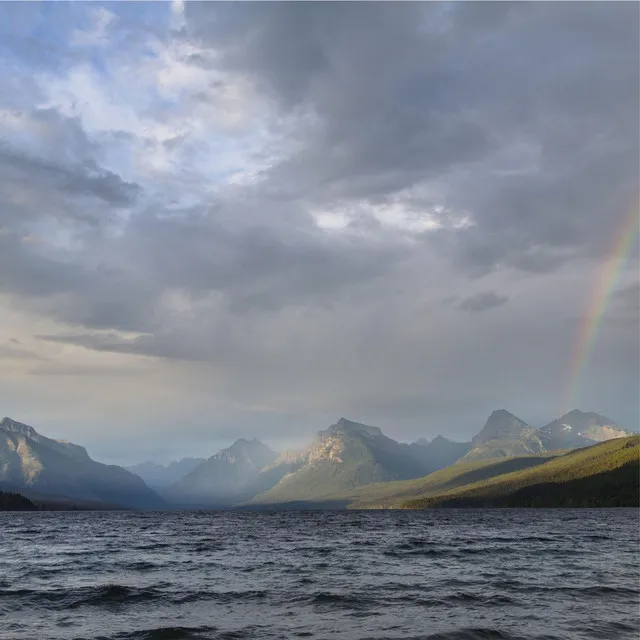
(446, 574)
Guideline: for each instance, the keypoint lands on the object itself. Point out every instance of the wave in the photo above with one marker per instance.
(165, 633)
(479, 633)
(322, 575)
(483, 634)
(404, 550)
(595, 591)
(111, 594)
(221, 597)
(488, 600)
(607, 630)
(141, 565)
(341, 601)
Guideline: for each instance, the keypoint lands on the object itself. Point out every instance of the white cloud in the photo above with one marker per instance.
(98, 34)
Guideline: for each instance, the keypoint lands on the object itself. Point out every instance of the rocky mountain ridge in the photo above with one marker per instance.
(30, 462)
(578, 429)
(341, 458)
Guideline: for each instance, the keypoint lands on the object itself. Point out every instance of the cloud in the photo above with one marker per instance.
(75, 181)
(482, 302)
(287, 205)
(98, 34)
(432, 125)
(11, 352)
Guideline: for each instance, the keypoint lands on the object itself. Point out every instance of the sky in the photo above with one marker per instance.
(229, 220)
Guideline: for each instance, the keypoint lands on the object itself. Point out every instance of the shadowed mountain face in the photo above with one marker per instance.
(442, 452)
(15, 502)
(230, 476)
(159, 476)
(504, 435)
(601, 475)
(344, 456)
(31, 462)
(579, 429)
(500, 425)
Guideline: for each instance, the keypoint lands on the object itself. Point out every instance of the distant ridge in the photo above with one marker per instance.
(159, 476)
(344, 458)
(227, 477)
(30, 462)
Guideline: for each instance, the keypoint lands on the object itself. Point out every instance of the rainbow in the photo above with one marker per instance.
(599, 301)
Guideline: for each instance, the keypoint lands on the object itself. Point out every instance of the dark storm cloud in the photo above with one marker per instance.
(524, 115)
(25, 271)
(50, 170)
(459, 147)
(71, 180)
(482, 302)
(472, 105)
(73, 291)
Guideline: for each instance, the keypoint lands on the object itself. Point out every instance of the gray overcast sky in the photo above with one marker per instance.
(222, 220)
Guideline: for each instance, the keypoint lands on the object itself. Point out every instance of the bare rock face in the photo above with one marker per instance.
(32, 462)
(62, 446)
(579, 429)
(504, 435)
(604, 432)
(501, 425)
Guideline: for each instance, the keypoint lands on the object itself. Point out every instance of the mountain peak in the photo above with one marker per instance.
(242, 444)
(349, 426)
(244, 451)
(68, 448)
(502, 414)
(500, 424)
(587, 417)
(226, 477)
(579, 428)
(9, 424)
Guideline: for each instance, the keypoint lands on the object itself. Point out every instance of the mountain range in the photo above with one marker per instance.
(605, 474)
(348, 464)
(58, 470)
(230, 476)
(158, 476)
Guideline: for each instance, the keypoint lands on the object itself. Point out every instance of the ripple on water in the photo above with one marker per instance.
(439, 575)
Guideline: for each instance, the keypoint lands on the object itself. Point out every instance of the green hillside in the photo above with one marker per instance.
(390, 494)
(602, 475)
(324, 478)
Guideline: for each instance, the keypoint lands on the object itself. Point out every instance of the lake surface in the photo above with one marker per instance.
(447, 574)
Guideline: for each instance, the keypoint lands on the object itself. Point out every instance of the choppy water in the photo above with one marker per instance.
(447, 574)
